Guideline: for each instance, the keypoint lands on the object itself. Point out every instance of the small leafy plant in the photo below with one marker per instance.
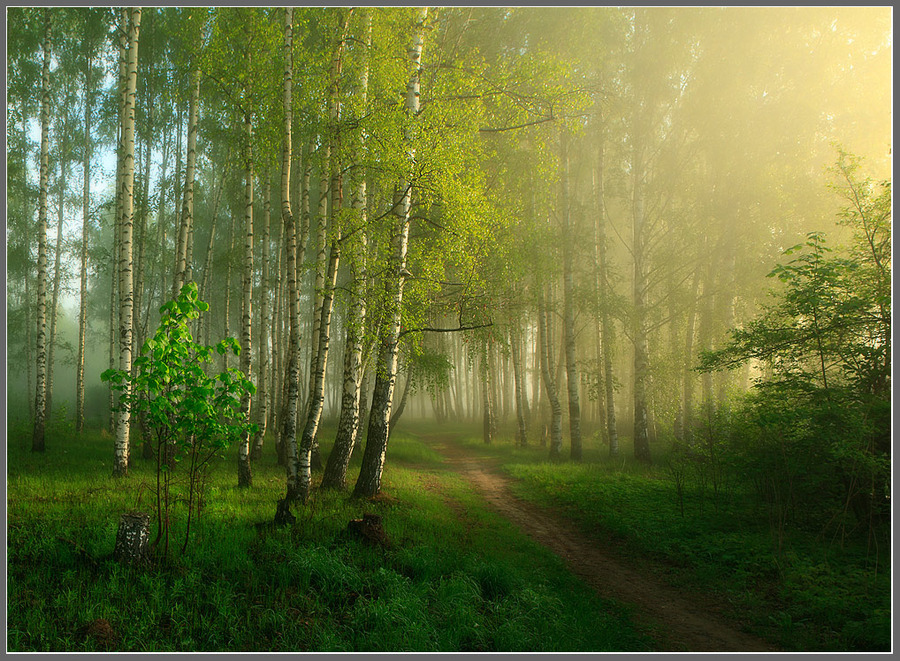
(193, 416)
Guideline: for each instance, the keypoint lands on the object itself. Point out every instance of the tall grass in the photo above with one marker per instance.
(454, 577)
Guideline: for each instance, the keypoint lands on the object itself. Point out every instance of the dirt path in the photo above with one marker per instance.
(682, 622)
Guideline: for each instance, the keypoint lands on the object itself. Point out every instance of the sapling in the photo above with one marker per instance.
(193, 416)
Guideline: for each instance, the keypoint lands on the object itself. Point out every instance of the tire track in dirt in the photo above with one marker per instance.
(679, 622)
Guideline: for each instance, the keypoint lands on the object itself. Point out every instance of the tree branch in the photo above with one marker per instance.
(428, 329)
(517, 126)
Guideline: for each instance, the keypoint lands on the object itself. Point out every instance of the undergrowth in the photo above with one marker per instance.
(799, 588)
(454, 577)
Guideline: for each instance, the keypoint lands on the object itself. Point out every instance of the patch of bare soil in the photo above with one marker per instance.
(679, 621)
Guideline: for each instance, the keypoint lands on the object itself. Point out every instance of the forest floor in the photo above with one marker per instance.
(679, 621)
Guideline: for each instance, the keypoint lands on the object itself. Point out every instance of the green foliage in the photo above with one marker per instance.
(192, 414)
(182, 404)
(814, 435)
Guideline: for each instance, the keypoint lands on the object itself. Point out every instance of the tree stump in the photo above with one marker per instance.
(369, 529)
(132, 539)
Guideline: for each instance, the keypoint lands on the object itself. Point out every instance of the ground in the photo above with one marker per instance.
(679, 621)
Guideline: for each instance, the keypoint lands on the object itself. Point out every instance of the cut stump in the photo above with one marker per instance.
(369, 529)
(132, 547)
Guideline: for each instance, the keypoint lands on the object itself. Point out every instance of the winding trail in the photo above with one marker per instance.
(679, 622)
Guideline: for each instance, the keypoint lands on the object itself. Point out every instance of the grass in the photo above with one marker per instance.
(801, 590)
(455, 577)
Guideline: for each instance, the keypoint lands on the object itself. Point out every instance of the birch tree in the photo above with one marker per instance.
(244, 474)
(63, 156)
(263, 354)
(322, 331)
(131, 21)
(549, 380)
(85, 228)
(187, 206)
(604, 294)
(37, 440)
(569, 236)
(369, 481)
(289, 438)
(335, 475)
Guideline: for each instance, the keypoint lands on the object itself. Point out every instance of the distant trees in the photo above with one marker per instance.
(605, 197)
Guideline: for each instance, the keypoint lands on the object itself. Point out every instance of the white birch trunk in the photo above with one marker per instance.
(37, 439)
(335, 475)
(85, 232)
(262, 392)
(245, 478)
(550, 382)
(57, 276)
(126, 300)
(187, 208)
(569, 237)
(293, 354)
(369, 482)
(322, 332)
(606, 338)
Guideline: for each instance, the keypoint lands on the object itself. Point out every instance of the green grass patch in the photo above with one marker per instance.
(455, 577)
(800, 589)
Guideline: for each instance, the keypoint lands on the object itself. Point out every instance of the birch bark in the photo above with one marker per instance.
(335, 475)
(187, 208)
(37, 439)
(126, 283)
(369, 481)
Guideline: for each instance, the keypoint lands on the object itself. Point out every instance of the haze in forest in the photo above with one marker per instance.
(654, 241)
(717, 126)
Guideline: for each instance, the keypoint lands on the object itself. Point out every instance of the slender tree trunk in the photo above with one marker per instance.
(29, 340)
(126, 292)
(57, 275)
(639, 293)
(157, 288)
(29, 343)
(227, 293)
(725, 300)
(113, 310)
(369, 482)
(549, 381)
(115, 284)
(604, 294)
(262, 396)
(141, 239)
(519, 377)
(325, 294)
(37, 439)
(293, 354)
(204, 322)
(687, 396)
(187, 208)
(569, 237)
(705, 338)
(244, 475)
(276, 375)
(487, 404)
(321, 265)
(401, 405)
(335, 475)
